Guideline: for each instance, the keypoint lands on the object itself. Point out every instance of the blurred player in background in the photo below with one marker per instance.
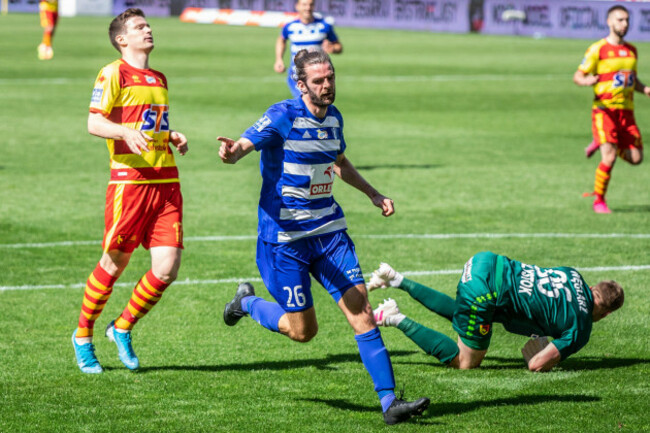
(308, 32)
(49, 14)
(130, 108)
(610, 66)
(526, 299)
(302, 230)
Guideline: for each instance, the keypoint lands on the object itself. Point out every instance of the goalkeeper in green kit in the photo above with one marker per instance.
(526, 299)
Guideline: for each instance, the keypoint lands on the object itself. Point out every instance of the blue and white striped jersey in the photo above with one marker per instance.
(307, 36)
(297, 166)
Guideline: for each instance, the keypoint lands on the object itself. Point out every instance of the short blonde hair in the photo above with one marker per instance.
(609, 294)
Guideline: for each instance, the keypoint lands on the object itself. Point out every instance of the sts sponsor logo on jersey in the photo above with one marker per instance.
(155, 118)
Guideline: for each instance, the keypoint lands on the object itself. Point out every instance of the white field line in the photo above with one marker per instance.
(271, 79)
(439, 236)
(188, 282)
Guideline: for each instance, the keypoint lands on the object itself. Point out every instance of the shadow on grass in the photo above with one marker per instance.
(571, 364)
(442, 409)
(398, 166)
(632, 209)
(326, 363)
(338, 403)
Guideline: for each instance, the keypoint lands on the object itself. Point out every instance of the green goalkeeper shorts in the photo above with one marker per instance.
(476, 298)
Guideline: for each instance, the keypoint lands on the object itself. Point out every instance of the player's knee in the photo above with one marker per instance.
(168, 277)
(636, 159)
(303, 335)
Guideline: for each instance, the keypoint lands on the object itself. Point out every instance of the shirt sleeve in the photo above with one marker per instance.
(285, 32)
(590, 61)
(343, 144)
(271, 130)
(572, 340)
(331, 35)
(105, 91)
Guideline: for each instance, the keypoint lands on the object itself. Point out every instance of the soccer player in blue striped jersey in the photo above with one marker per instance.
(302, 230)
(308, 32)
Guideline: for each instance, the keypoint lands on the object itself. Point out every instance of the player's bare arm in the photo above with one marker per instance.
(582, 79)
(641, 88)
(349, 174)
(137, 141)
(232, 151)
(280, 46)
(179, 141)
(332, 47)
(545, 360)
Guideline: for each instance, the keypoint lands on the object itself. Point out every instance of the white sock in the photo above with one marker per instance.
(83, 340)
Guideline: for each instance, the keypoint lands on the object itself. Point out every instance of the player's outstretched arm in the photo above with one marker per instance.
(582, 79)
(280, 46)
(349, 174)
(179, 141)
(545, 360)
(232, 151)
(332, 47)
(100, 126)
(641, 88)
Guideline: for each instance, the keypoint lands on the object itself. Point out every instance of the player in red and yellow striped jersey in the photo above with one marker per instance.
(130, 108)
(610, 66)
(49, 15)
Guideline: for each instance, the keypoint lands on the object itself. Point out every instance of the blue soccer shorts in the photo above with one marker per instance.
(285, 268)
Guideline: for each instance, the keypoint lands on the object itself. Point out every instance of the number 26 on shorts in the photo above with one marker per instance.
(296, 295)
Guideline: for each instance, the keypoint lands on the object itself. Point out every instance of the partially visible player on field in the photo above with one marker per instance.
(526, 299)
(308, 32)
(302, 230)
(49, 15)
(610, 66)
(130, 108)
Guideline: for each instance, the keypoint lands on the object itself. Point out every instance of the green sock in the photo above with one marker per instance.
(432, 342)
(432, 299)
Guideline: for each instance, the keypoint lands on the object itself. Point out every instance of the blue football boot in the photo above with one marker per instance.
(86, 359)
(124, 348)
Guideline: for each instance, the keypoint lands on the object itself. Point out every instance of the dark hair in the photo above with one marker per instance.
(306, 58)
(118, 25)
(617, 8)
(610, 294)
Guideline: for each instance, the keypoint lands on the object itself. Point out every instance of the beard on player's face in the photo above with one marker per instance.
(324, 100)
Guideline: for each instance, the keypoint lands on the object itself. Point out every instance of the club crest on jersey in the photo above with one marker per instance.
(155, 119)
(97, 95)
(622, 53)
(262, 123)
(484, 329)
(322, 134)
(150, 79)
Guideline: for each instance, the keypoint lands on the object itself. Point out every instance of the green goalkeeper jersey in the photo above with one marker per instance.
(554, 302)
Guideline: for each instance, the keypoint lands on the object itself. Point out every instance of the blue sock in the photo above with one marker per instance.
(263, 312)
(376, 360)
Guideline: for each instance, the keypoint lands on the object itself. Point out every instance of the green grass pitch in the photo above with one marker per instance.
(468, 134)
